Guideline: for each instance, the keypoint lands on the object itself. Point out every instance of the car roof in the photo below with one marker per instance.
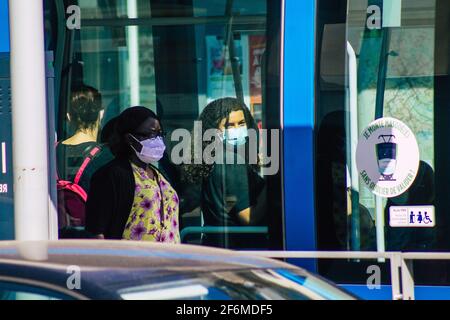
(97, 254)
(110, 266)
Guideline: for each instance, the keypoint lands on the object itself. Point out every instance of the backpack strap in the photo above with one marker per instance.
(86, 161)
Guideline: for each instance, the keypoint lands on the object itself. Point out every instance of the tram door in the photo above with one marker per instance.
(383, 95)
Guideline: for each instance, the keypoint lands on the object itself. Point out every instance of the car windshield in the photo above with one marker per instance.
(267, 284)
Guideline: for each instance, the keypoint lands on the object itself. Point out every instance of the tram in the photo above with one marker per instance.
(318, 72)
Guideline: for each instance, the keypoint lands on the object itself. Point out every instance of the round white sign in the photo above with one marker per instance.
(387, 157)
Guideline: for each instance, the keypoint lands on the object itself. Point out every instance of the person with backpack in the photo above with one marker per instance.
(130, 198)
(78, 157)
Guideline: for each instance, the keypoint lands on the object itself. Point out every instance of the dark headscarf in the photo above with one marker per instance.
(108, 130)
(129, 120)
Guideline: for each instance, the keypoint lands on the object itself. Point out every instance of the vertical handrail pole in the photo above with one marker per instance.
(29, 120)
(133, 54)
(352, 144)
(382, 73)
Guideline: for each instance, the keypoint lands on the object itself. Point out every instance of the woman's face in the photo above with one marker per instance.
(150, 129)
(235, 120)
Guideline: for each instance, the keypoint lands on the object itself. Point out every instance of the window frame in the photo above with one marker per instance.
(272, 88)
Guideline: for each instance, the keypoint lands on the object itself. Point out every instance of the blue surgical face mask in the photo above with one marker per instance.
(236, 136)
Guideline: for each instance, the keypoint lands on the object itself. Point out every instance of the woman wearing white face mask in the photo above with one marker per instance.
(129, 198)
(231, 190)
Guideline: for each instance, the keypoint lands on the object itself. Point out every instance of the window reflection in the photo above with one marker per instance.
(277, 284)
(176, 58)
(395, 78)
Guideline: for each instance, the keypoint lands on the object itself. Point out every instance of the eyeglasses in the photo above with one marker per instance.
(152, 134)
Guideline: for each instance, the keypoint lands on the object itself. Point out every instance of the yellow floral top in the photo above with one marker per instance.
(144, 223)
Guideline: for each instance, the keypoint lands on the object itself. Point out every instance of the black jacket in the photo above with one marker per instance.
(110, 199)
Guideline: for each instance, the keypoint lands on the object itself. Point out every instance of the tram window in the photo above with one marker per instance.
(396, 78)
(176, 57)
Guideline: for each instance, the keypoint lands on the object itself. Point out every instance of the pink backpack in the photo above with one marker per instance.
(72, 198)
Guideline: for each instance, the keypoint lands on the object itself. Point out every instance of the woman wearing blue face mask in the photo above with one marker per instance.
(230, 187)
(129, 198)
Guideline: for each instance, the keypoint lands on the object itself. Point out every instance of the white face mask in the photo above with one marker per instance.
(152, 150)
(236, 136)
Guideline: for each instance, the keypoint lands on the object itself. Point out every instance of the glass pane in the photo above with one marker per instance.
(105, 9)
(132, 9)
(276, 284)
(184, 57)
(372, 67)
(406, 90)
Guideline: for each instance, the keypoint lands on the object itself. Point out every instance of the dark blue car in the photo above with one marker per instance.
(144, 271)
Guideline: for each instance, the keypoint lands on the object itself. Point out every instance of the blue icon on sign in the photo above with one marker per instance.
(419, 217)
(427, 219)
(411, 217)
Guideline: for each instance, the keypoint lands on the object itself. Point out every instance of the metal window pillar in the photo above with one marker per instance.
(29, 120)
